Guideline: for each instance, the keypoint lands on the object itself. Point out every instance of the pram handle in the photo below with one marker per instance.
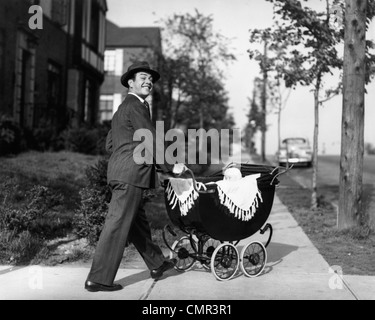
(280, 173)
(195, 185)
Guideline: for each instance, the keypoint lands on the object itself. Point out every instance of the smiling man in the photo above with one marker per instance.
(126, 220)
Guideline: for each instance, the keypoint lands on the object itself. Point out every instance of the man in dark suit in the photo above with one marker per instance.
(126, 219)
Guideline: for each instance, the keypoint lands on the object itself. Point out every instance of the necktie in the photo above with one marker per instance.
(148, 108)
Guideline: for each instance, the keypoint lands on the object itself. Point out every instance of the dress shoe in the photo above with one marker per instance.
(95, 287)
(157, 273)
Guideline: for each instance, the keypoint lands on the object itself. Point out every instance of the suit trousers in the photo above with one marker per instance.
(126, 221)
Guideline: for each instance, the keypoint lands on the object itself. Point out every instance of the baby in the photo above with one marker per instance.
(233, 174)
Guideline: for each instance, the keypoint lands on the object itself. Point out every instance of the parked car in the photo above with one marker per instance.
(296, 151)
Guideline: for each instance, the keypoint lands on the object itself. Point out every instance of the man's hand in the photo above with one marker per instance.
(179, 169)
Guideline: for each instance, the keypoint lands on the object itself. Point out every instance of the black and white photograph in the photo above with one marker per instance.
(187, 155)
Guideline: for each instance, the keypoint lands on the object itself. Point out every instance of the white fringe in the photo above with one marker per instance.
(244, 215)
(187, 204)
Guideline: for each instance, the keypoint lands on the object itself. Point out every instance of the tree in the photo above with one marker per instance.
(263, 37)
(257, 113)
(264, 68)
(255, 117)
(191, 38)
(356, 74)
(271, 61)
(309, 56)
(278, 98)
(175, 88)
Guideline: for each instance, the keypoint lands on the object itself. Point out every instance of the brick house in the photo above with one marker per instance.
(51, 76)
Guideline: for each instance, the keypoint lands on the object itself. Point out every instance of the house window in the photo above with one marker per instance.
(110, 62)
(90, 103)
(105, 108)
(94, 28)
(86, 111)
(24, 81)
(54, 85)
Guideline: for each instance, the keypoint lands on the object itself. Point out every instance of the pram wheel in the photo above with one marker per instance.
(183, 251)
(253, 259)
(225, 261)
(209, 247)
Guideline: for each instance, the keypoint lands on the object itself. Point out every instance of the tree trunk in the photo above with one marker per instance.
(314, 194)
(264, 105)
(279, 129)
(352, 135)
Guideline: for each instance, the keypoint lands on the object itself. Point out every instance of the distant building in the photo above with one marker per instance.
(124, 46)
(51, 77)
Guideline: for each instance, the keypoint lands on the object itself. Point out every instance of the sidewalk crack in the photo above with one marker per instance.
(146, 295)
(347, 286)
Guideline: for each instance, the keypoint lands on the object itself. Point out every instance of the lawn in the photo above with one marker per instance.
(39, 192)
(352, 249)
(63, 172)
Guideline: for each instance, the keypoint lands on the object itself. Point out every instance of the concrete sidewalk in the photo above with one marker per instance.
(294, 270)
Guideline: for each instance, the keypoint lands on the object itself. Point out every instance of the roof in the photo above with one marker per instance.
(132, 36)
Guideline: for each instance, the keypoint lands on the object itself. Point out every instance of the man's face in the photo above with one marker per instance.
(142, 84)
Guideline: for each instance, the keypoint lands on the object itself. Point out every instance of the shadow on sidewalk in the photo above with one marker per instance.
(276, 252)
(142, 276)
(134, 278)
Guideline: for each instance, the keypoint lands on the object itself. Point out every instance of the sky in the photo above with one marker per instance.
(234, 18)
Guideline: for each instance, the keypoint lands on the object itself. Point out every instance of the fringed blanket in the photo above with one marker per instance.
(241, 197)
(182, 192)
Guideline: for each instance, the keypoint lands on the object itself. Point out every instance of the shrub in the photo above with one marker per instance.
(41, 203)
(19, 248)
(24, 229)
(14, 139)
(97, 177)
(10, 138)
(8, 188)
(95, 197)
(45, 138)
(87, 140)
(89, 219)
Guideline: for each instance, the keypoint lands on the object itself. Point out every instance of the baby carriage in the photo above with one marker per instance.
(214, 225)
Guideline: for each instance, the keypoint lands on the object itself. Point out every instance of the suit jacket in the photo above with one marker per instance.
(131, 116)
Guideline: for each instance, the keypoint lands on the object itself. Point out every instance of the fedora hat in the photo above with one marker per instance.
(137, 67)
